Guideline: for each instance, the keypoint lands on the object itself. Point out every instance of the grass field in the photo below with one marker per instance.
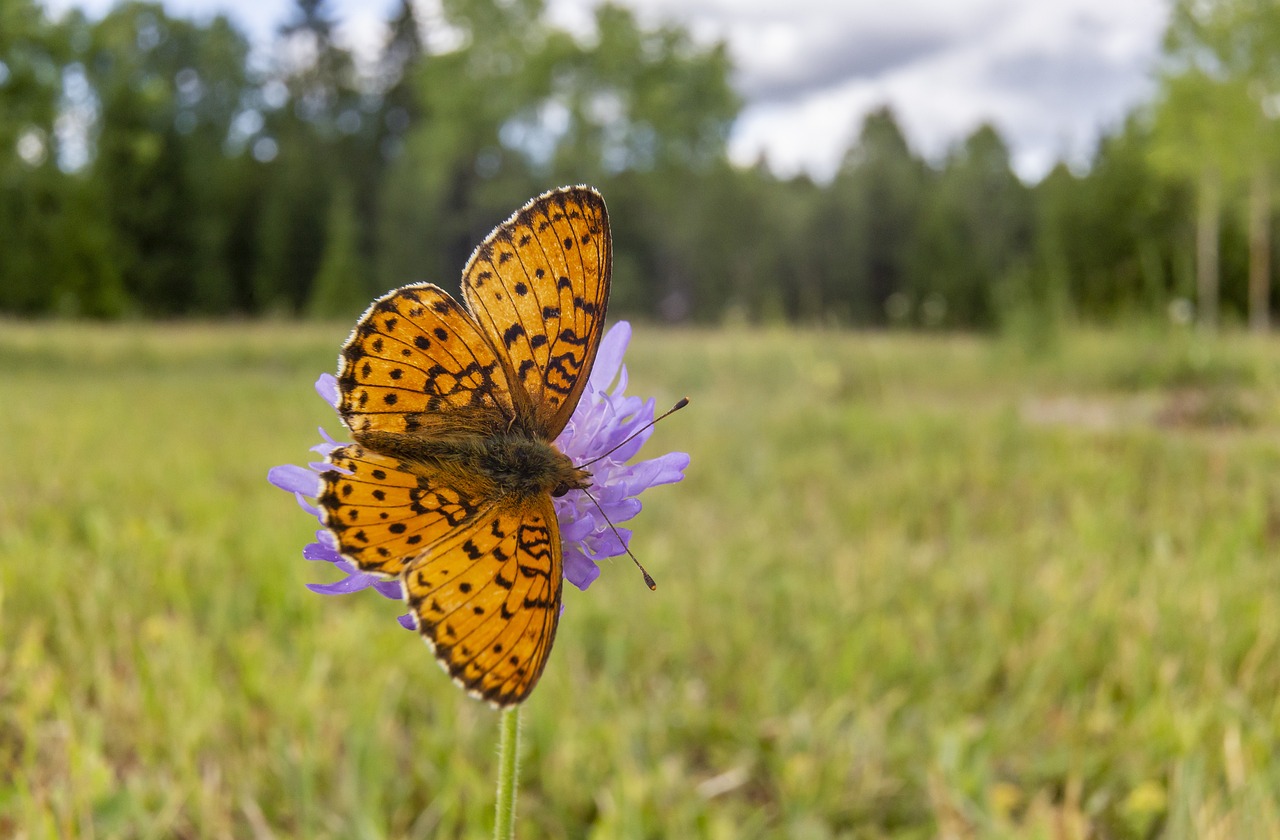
(912, 587)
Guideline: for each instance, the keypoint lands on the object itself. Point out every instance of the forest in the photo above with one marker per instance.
(152, 166)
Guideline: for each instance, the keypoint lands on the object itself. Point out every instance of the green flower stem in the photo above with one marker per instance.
(504, 824)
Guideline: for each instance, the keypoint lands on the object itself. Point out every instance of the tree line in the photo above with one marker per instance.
(155, 166)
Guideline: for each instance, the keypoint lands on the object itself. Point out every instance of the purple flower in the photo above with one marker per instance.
(602, 420)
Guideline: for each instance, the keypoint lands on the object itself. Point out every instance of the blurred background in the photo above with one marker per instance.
(972, 300)
(939, 165)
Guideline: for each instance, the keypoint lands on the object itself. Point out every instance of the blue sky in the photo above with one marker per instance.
(1049, 73)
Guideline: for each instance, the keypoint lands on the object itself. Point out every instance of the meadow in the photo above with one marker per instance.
(913, 586)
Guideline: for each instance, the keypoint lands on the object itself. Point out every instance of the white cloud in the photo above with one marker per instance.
(1049, 75)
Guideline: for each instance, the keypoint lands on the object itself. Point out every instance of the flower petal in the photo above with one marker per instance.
(307, 506)
(609, 356)
(579, 569)
(351, 583)
(319, 551)
(665, 469)
(295, 479)
(327, 388)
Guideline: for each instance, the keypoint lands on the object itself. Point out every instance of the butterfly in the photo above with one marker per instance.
(454, 408)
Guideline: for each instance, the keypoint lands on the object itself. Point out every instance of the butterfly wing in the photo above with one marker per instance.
(487, 599)
(384, 513)
(417, 363)
(483, 578)
(538, 286)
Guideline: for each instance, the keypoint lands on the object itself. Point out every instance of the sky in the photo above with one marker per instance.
(1051, 75)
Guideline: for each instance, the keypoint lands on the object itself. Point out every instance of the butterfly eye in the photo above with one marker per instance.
(560, 490)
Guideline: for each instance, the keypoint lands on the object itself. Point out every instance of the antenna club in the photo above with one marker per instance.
(647, 579)
(681, 404)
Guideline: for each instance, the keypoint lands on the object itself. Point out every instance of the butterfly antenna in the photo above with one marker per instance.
(679, 405)
(648, 579)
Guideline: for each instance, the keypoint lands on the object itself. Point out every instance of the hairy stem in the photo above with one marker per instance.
(504, 825)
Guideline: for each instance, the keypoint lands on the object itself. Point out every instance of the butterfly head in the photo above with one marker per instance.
(577, 479)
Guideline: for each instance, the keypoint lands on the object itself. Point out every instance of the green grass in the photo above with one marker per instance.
(912, 587)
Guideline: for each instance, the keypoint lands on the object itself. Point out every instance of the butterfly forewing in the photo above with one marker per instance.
(487, 598)
(539, 286)
(416, 362)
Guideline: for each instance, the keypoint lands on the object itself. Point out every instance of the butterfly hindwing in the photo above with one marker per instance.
(416, 363)
(487, 599)
(539, 286)
(384, 513)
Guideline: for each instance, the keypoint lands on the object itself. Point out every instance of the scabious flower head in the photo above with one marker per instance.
(603, 419)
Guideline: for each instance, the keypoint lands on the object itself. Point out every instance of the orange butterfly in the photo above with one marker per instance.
(454, 408)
